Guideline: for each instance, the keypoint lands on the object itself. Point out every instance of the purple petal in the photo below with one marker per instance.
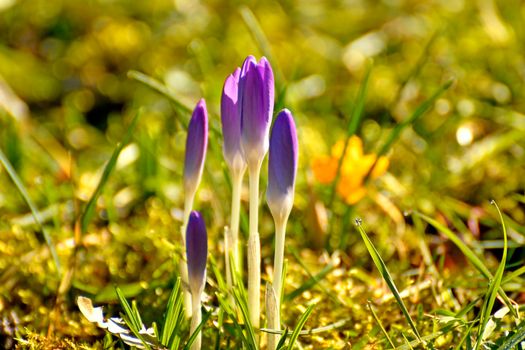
(231, 120)
(196, 251)
(196, 144)
(256, 99)
(282, 162)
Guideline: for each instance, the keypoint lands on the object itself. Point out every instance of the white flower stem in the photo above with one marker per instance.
(196, 319)
(227, 252)
(183, 265)
(280, 233)
(235, 216)
(254, 250)
(272, 316)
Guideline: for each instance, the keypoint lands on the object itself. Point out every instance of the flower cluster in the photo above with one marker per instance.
(247, 105)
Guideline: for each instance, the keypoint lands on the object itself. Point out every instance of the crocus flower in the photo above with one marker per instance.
(231, 123)
(196, 252)
(282, 166)
(256, 99)
(196, 144)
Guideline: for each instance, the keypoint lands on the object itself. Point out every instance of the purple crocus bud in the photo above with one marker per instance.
(231, 123)
(256, 99)
(196, 252)
(196, 144)
(282, 166)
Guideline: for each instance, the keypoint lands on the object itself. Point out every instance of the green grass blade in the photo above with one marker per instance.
(493, 286)
(465, 337)
(378, 321)
(282, 341)
(227, 308)
(241, 301)
(353, 124)
(416, 69)
(193, 336)
(156, 85)
(171, 317)
(88, 212)
(130, 317)
(159, 87)
(469, 254)
(418, 113)
(311, 282)
(299, 326)
(407, 342)
(34, 211)
(381, 266)
(316, 280)
(513, 275)
(264, 45)
(513, 341)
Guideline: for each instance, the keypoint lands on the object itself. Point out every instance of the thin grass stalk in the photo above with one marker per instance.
(254, 250)
(34, 211)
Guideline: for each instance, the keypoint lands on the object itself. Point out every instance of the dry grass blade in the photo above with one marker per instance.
(159, 87)
(260, 38)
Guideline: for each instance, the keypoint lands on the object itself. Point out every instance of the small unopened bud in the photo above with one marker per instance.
(196, 252)
(196, 145)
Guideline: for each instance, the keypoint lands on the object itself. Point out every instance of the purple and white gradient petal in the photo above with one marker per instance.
(196, 252)
(282, 165)
(231, 122)
(196, 145)
(256, 101)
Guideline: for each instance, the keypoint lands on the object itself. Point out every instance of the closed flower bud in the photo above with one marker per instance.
(196, 144)
(256, 100)
(196, 252)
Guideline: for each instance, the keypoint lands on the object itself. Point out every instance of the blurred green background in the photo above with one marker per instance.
(67, 100)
